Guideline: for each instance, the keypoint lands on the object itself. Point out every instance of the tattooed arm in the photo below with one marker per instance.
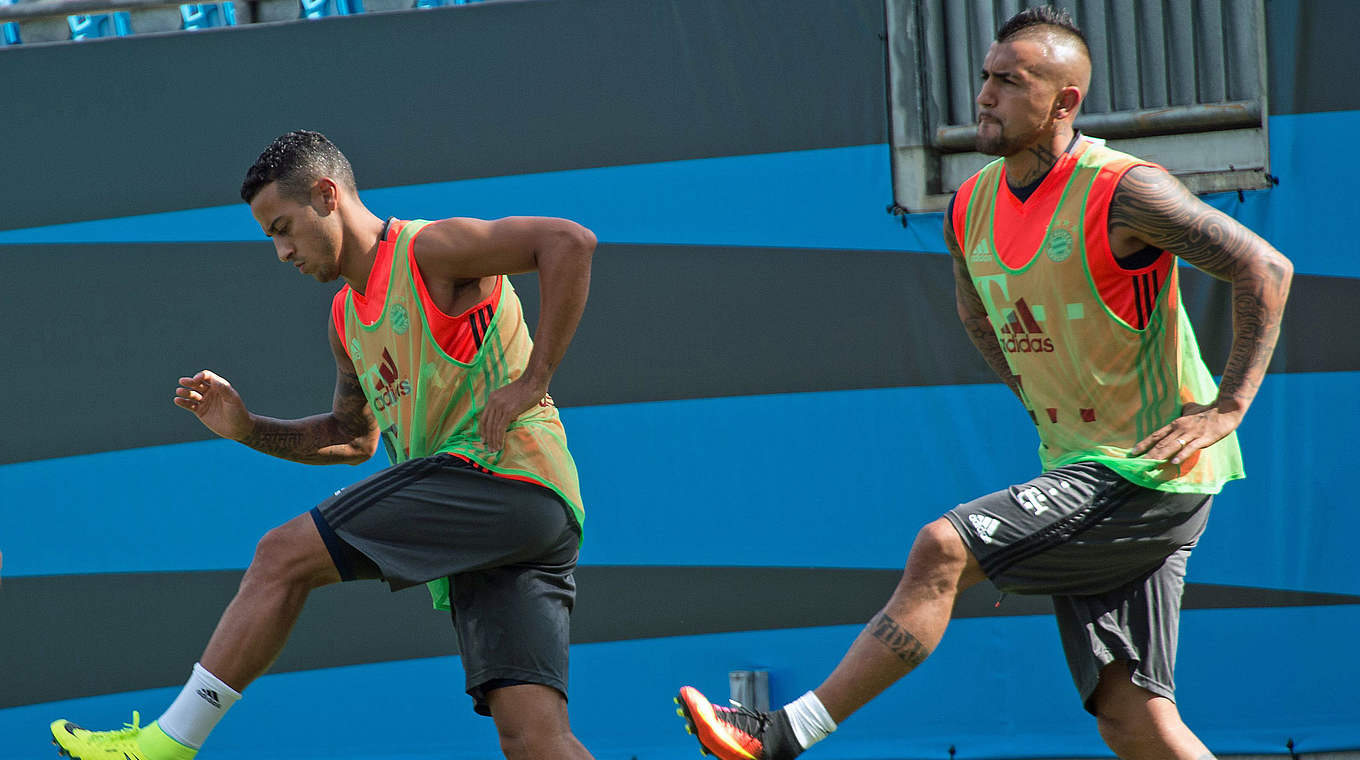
(1152, 208)
(348, 434)
(973, 314)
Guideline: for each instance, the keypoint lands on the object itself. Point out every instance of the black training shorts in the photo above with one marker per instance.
(508, 548)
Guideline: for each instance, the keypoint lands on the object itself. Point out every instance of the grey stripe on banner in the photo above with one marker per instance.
(52, 652)
(652, 331)
(648, 82)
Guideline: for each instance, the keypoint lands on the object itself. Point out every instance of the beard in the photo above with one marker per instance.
(996, 138)
(995, 141)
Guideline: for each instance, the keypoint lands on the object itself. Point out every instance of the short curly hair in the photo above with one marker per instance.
(296, 161)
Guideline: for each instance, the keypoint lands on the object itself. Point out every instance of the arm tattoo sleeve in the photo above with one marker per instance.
(898, 640)
(1158, 210)
(351, 406)
(331, 438)
(973, 315)
(297, 440)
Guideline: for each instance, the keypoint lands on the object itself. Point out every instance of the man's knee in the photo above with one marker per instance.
(1145, 733)
(939, 544)
(1133, 721)
(529, 742)
(531, 721)
(939, 552)
(1124, 732)
(293, 554)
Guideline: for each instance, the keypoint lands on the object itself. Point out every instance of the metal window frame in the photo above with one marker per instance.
(1204, 118)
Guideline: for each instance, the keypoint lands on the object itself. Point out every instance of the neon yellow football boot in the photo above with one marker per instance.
(131, 742)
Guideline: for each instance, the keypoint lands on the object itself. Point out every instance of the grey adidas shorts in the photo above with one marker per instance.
(1112, 555)
(509, 549)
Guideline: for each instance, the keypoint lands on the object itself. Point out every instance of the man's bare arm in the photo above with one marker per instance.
(347, 434)
(560, 250)
(973, 315)
(1155, 208)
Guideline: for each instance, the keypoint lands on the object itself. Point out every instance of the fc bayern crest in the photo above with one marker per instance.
(401, 321)
(1059, 245)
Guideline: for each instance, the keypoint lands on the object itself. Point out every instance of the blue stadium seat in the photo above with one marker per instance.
(96, 26)
(324, 8)
(9, 31)
(207, 15)
(442, 3)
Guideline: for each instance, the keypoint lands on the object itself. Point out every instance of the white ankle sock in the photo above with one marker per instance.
(195, 712)
(810, 721)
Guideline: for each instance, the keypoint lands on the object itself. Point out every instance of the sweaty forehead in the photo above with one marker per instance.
(1041, 57)
(1013, 54)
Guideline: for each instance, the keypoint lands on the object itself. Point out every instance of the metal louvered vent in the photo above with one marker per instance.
(1179, 82)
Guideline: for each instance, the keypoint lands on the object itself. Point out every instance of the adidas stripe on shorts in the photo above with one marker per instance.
(1112, 555)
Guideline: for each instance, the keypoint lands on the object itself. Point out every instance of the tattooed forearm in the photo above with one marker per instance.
(270, 439)
(310, 440)
(351, 407)
(1156, 209)
(898, 640)
(1256, 328)
(973, 315)
(345, 435)
(980, 331)
(982, 335)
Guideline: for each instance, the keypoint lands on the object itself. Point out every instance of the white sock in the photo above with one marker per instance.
(195, 712)
(810, 720)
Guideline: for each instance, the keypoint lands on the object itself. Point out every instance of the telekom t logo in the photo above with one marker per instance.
(989, 287)
(994, 291)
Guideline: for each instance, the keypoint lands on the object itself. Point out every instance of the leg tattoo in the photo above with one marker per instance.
(898, 640)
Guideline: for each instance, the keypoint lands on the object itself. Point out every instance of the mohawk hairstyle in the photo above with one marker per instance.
(297, 160)
(1041, 16)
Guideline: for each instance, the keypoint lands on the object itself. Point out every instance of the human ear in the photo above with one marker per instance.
(325, 195)
(1067, 102)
